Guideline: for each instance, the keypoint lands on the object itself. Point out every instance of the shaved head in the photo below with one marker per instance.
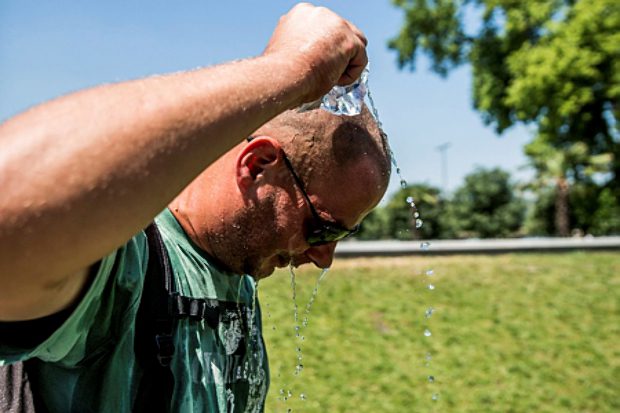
(321, 144)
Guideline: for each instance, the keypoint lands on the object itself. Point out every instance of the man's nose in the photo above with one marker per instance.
(322, 255)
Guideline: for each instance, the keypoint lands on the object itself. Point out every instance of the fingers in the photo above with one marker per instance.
(324, 48)
(355, 67)
(359, 60)
(357, 32)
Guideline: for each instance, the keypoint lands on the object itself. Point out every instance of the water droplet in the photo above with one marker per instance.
(416, 214)
(281, 391)
(424, 246)
(430, 272)
(273, 328)
(418, 223)
(289, 394)
(428, 356)
(427, 333)
(403, 183)
(302, 396)
(431, 287)
(410, 200)
(435, 396)
(431, 379)
(429, 312)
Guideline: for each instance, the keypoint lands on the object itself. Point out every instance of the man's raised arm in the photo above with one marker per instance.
(82, 174)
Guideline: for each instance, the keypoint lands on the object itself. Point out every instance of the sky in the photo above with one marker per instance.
(51, 48)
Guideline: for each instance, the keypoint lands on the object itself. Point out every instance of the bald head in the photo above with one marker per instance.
(322, 144)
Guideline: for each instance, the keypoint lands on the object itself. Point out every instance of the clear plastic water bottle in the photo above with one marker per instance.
(343, 100)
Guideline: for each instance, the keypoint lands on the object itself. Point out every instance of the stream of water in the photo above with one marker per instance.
(424, 246)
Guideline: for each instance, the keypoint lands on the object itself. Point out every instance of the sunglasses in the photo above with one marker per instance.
(322, 231)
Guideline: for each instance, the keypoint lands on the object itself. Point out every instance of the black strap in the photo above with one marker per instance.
(196, 309)
(154, 345)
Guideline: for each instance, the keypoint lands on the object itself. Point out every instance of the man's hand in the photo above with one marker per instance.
(323, 48)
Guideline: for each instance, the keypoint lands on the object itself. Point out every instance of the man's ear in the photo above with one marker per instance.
(260, 154)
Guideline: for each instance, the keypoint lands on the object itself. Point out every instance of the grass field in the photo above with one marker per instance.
(510, 333)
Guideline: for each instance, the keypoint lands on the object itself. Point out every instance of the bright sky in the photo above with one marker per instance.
(51, 48)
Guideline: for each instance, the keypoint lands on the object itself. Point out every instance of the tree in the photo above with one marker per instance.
(554, 64)
(484, 207)
(551, 165)
(401, 216)
(594, 210)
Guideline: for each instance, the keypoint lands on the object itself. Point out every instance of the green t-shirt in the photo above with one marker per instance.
(88, 364)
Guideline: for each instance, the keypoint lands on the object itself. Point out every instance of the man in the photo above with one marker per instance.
(84, 174)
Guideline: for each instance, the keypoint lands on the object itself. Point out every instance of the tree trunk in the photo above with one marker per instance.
(562, 224)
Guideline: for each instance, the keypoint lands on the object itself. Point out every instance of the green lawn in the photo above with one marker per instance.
(510, 333)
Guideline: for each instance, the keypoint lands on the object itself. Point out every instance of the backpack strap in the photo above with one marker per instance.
(154, 342)
(196, 309)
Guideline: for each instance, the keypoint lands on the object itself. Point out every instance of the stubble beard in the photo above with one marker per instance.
(242, 244)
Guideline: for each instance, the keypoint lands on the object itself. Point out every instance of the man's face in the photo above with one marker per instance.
(279, 230)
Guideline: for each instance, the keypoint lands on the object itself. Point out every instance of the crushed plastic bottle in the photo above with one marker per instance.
(343, 100)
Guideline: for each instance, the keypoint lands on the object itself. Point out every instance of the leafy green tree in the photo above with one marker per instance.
(484, 207)
(402, 217)
(554, 64)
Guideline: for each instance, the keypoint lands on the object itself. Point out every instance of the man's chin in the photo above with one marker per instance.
(270, 268)
(261, 272)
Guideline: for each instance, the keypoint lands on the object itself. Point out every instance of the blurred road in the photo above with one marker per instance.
(356, 248)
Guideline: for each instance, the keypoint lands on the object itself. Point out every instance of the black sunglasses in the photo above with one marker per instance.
(322, 231)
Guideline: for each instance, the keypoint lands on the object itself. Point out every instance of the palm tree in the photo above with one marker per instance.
(557, 168)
